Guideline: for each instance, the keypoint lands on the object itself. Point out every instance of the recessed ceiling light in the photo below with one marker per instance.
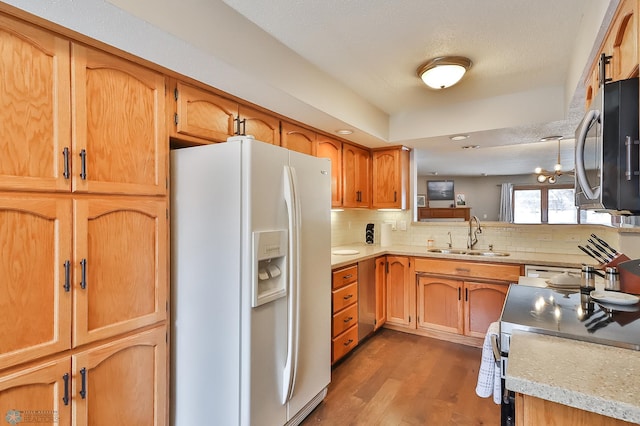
(458, 137)
(344, 131)
(471, 147)
(434, 173)
(551, 138)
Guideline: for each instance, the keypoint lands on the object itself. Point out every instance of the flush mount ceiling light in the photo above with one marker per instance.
(444, 71)
(551, 177)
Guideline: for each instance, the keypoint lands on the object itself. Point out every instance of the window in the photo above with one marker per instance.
(544, 204)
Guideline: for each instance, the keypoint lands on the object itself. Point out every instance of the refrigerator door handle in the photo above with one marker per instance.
(292, 201)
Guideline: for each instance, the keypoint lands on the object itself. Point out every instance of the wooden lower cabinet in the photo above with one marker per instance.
(462, 307)
(400, 292)
(381, 292)
(445, 298)
(120, 382)
(344, 303)
(532, 411)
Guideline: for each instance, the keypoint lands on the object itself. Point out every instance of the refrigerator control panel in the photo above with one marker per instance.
(269, 266)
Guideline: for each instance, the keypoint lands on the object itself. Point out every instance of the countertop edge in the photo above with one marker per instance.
(563, 391)
(530, 258)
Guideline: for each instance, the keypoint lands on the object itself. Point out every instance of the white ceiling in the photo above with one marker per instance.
(351, 63)
(521, 50)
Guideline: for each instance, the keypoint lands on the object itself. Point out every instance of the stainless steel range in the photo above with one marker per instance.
(564, 313)
(569, 314)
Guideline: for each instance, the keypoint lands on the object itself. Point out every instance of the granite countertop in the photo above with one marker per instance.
(588, 376)
(532, 258)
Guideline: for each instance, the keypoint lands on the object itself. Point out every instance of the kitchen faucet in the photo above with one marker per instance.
(472, 240)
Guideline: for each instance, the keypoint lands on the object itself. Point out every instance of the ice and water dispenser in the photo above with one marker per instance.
(269, 270)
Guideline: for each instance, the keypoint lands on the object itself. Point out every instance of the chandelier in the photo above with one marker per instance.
(547, 176)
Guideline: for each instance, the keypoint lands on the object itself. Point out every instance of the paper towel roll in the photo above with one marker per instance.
(385, 235)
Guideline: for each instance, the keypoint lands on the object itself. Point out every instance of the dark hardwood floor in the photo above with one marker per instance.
(396, 378)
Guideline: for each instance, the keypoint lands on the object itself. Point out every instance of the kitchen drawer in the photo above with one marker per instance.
(344, 276)
(461, 268)
(344, 319)
(344, 297)
(345, 342)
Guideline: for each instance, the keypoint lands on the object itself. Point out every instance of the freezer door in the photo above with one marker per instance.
(313, 369)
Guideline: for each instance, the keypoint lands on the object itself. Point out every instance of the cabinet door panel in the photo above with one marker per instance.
(34, 108)
(263, 127)
(125, 382)
(356, 176)
(35, 395)
(624, 40)
(298, 139)
(119, 122)
(381, 292)
(400, 292)
(124, 244)
(440, 304)
(386, 169)
(483, 304)
(36, 311)
(203, 114)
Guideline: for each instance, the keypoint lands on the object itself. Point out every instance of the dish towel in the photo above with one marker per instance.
(489, 373)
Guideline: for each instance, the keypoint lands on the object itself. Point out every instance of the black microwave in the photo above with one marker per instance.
(607, 152)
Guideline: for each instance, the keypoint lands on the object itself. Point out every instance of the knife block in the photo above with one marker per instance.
(614, 262)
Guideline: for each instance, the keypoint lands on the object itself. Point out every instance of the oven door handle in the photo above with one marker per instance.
(496, 347)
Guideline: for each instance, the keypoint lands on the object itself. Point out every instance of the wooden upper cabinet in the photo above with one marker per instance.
(262, 126)
(356, 175)
(391, 178)
(128, 374)
(298, 138)
(119, 138)
(35, 108)
(332, 149)
(624, 41)
(621, 46)
(40, 388)
(36, 260)
(201, 116)
(120, 266)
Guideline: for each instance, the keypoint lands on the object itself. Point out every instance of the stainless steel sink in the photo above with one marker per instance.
(447, 251)
(487, 253)
(469, 252)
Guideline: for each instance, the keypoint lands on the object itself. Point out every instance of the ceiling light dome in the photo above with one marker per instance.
(444, 71)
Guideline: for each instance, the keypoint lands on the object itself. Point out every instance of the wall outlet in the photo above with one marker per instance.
(402, 225)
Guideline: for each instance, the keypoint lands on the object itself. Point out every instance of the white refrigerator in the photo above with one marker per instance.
(250, 284)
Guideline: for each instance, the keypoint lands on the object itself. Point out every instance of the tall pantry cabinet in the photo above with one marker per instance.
(83, 225)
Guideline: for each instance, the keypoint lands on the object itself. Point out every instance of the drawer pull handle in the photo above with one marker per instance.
(348, 319)
(348, 342)
(65, 156)
(463, 270)
(348, 296)
(83, 164)
(346, 277)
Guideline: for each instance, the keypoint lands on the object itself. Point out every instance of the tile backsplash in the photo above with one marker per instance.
(348, 227)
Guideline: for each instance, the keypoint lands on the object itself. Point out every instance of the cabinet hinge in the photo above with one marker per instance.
(175, 93)
(175, 119)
